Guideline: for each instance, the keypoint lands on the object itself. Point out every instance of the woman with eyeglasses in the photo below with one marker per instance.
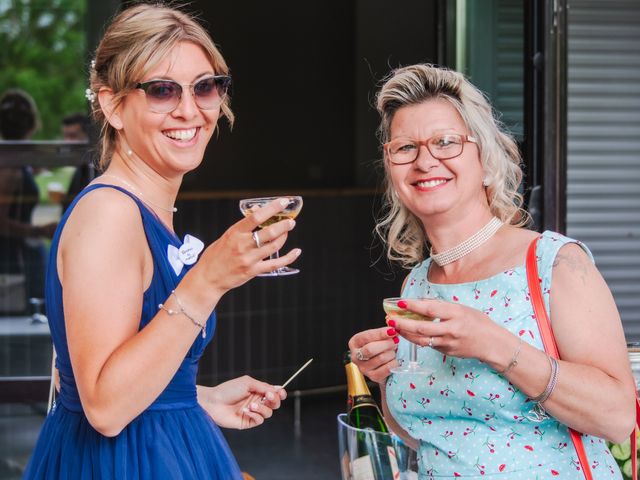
(131, 305)
(492, 403)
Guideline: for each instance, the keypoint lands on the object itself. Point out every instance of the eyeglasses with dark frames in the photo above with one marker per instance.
(444, 146)
(163, 96)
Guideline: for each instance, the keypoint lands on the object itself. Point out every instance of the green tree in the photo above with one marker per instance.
(43, 52)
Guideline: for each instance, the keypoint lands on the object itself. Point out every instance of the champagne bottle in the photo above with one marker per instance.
(362, 409)
(372, 457)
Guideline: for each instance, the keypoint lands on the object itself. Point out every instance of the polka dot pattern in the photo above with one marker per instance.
(471, 422)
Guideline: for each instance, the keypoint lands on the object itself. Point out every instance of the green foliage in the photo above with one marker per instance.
(43, 52)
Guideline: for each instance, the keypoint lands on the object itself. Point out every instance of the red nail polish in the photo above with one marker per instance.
(391, 332)
(391, 323)
(402, 304)
(396, 340)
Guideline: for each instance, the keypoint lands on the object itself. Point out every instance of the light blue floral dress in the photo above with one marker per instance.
(471, 422)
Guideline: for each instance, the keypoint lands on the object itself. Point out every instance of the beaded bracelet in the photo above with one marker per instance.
(514, 360)
(183, 312)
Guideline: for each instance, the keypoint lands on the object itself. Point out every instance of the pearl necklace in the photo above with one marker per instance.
(172, 209)
(469, 245)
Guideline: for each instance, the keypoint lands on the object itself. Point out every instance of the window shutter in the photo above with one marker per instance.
(603, 177)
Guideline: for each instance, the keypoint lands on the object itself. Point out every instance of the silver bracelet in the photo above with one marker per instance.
(183, 312)
(538, 413)
(514, 360)
(553, 381)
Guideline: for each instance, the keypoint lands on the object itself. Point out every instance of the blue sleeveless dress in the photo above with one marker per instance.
(470, 421)
(174, 438)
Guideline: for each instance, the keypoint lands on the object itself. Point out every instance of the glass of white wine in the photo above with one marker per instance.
(391, 308)
(292, 210)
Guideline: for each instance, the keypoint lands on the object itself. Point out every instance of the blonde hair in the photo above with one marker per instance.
(500, 158)
(138, 39)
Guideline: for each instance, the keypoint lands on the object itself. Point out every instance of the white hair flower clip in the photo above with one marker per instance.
(89, 95)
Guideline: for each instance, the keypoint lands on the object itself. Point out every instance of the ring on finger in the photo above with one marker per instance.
(256, 239)
(430, 342)
(360, 356)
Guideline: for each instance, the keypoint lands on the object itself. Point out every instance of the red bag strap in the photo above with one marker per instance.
(539, 309)
(549, 341)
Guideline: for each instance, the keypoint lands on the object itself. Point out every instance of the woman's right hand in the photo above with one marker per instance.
(235, 258)
(377, 348)
(241, 403)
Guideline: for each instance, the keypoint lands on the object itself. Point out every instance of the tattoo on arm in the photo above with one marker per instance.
(575, 262)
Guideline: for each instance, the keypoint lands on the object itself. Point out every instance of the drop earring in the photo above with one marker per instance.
(486, 182)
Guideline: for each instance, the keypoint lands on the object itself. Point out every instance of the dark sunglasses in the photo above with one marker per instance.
(163, 96)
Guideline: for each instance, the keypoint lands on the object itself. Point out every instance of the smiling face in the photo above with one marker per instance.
(428, 186)
(170, 143)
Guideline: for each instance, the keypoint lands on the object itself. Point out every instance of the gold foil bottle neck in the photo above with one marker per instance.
(356, 384)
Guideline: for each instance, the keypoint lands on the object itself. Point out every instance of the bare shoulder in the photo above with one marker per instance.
(573, 255)
(512, 244)
(573, 261)
(103, 207)
(105, 221)
(522, 237)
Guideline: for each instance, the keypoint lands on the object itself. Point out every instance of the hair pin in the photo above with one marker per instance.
(89, 95)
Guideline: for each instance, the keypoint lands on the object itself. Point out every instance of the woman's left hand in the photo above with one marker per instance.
(241, 403)
(461, 331)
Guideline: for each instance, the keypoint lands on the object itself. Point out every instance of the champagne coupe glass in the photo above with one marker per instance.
(391, 308)
(290, 211)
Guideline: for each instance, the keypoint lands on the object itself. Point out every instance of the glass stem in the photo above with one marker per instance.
(413, 354)
(276, 256)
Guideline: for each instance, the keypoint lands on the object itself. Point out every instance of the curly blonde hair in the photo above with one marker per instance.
(137, 40)
(400, 229)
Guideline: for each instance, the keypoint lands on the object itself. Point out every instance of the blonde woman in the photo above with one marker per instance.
(453, 216)
(130, 304)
